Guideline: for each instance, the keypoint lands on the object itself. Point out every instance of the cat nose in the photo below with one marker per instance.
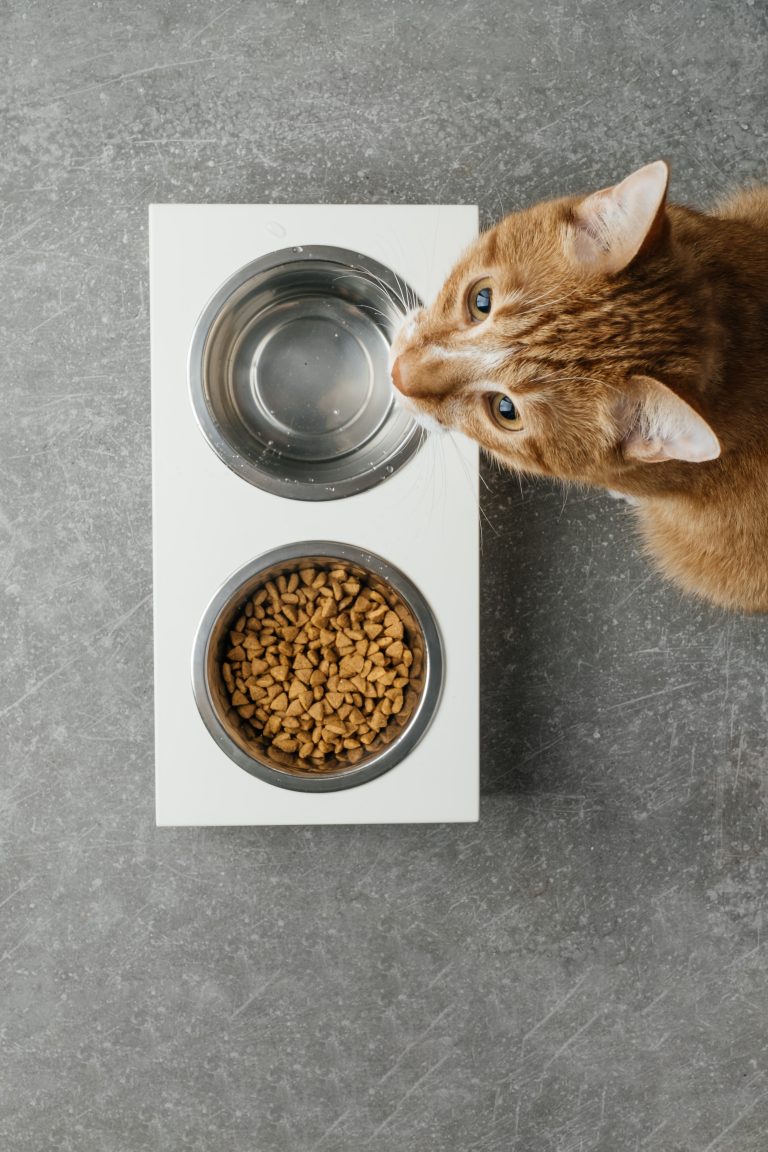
(401, 370)
(397, 375)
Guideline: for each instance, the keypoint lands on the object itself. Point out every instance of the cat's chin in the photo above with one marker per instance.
(428, 423)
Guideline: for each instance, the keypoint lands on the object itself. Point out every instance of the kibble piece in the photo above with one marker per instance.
(285, 743)
(317, 711)
(272, 725)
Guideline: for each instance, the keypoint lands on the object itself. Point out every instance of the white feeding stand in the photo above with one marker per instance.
(208, 522)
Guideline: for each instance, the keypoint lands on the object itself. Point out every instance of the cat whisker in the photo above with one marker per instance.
(399, 291)
(475, 496)
(378, 311)
(404, 290)
(387, 291)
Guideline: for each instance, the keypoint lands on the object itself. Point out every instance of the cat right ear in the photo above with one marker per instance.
(609, 228)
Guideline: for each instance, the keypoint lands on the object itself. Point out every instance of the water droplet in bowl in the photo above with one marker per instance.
(275, 228)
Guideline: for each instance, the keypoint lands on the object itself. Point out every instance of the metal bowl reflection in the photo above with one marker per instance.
(289, 373)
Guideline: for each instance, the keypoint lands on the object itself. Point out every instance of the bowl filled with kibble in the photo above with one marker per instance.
(317, 666)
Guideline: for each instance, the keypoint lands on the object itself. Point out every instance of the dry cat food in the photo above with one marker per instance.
(320, 670)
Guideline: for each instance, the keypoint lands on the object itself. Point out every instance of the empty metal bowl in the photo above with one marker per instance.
(212, 641)
(289, 373)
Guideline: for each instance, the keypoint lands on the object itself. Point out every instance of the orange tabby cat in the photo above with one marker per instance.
(616, 340)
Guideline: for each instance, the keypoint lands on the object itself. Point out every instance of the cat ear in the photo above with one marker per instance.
(660, 426)
(610, 227)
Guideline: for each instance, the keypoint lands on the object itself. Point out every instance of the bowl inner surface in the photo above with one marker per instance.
(394, 742)
(290, 375)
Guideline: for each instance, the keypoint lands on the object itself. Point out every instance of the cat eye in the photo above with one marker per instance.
(480, 300)
(505, 413)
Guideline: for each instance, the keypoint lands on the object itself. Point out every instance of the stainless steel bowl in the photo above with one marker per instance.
(212, 639)
(289, 373)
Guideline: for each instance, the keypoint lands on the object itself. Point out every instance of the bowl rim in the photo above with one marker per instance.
(419, 721)
(305, 490)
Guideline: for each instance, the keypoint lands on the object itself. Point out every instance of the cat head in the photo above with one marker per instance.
(550, 339)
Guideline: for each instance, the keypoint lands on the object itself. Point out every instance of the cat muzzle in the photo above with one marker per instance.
(410, 380)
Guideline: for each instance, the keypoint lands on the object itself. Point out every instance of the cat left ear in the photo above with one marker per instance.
(658, 425)
(610, 227)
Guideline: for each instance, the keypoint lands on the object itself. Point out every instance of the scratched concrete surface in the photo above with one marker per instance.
(583, 971)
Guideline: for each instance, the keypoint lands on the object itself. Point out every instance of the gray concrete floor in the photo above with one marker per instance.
(583, 971)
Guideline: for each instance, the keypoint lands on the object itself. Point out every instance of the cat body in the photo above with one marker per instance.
(618, 341)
